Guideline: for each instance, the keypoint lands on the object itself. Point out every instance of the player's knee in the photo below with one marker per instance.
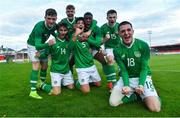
(155, 109)
(35, 65)
(114, 103)
(71, 86)
(55, 91)
(85, 89)
(98, 84)
(154, 105)
(110, 60)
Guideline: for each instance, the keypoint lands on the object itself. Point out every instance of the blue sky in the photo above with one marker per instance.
(162, 17)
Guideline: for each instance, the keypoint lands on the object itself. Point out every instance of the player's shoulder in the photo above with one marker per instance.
(64, 20)
(104, 25)
(118, 49)
(141, 42)
(40, 23)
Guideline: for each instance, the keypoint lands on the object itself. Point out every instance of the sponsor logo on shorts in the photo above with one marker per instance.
(55, 82)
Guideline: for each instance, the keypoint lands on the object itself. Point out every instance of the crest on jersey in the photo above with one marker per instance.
(137, 54)
(123, 56)
(55, 82)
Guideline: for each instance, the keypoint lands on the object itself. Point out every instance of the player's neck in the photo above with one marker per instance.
(70, 19)
(49, 28)
(60, 38)
(128, 45)
(111, 25)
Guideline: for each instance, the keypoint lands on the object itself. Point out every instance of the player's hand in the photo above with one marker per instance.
(37, 54)
(78, 31)
(107, 36)
(126, 90)
(139, 89)
(83, 38)
(51, 42)
(86, 34)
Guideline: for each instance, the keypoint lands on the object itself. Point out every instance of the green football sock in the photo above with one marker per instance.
(46, 87)
(110, 72)
(77, 84)
(43, 74)
(132, 98)
(33, 79)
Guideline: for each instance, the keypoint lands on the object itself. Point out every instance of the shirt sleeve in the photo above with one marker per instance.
(45, 53)
(38, 40)
(121, 65)
(145, 52)
(94, 23)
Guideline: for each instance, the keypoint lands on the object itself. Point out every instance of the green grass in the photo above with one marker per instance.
(14, 91)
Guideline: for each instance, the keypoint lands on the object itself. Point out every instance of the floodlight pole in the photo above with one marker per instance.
(149, 34)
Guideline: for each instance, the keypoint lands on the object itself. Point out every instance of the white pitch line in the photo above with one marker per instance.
(177, 71)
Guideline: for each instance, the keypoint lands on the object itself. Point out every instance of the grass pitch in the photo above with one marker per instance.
(14, 91)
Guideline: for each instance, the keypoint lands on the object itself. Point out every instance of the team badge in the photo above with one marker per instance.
(137, 54)
(123, 56)
(82, 80)
(55, 82)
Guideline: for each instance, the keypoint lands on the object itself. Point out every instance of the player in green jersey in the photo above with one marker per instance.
(70, 20)
(37, 42)
(96, 34)
(133, 56)
(84, 62)
(60, 54)
(111, 40)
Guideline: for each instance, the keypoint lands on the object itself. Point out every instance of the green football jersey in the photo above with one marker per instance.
(133, 60)
(60, 54)
(40, 35)
(113, 31)
(82, 54)
(95, 37)
(70, 25)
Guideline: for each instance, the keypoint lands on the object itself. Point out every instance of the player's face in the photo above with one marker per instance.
(62, 32)
(80, 24)
(112, 18)
(88, 19)
(50, 20)
(70, 13)
(126, 32)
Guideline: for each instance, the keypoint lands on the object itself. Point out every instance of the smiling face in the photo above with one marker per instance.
(70, 13)
(62, 32)
(112, 18)
(126, 32)
(88, 20)
(80, 24)
(50, 20)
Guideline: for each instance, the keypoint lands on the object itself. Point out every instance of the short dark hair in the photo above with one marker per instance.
(60, 24)
(111, 11)
(124, 23)
(50, 12)
(70, 7)
(88, 14)
(79, 18)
